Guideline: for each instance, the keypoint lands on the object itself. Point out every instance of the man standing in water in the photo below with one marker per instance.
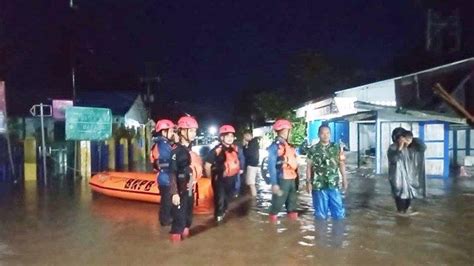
(283, 167)
(182, 179)
(325, 161)
(252, 170)
(403, 171)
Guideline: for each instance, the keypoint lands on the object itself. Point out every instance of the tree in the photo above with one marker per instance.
(271, 105)
(298, 133)
(313, 75)
(247, 109)
(307, 71)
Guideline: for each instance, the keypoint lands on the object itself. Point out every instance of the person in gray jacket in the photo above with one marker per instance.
(405, 169)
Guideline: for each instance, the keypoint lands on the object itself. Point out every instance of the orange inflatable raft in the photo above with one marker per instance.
(143, 187)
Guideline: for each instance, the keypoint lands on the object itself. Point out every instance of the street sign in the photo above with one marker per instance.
(35, 110)
(59, 109)
(87, 123)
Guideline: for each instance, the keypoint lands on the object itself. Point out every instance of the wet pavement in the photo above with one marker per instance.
(65, 224)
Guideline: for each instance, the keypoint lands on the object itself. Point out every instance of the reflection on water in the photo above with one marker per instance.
(66, 224)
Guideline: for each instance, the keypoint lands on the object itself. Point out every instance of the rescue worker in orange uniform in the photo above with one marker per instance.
(282, 169)
(224, 164)
(160, 157)
(183, 177)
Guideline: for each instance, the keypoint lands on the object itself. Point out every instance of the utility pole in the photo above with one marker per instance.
(43, 144)
(73, 78)
(149, 96)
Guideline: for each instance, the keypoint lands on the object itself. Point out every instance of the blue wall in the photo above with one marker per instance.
(313, 127)
(339, 131)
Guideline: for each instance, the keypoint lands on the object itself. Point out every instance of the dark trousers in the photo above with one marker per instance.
(288, 197)
(182, 214)
(402, 204)
(224, 189)
(165, 206)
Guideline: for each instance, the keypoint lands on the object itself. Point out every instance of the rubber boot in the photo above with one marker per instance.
(185, 233)
(175, 238)
(293, 216)
(273, 218)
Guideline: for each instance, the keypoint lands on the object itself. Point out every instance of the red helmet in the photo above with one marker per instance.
(187, 122)
(226, 129)
(163, 124)
(282, 124)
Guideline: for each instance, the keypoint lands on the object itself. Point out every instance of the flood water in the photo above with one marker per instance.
(65, 224)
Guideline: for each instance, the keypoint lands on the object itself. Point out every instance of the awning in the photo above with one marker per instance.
(397, 114)
(358, 117)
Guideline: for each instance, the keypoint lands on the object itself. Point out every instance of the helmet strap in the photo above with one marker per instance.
(185, 136)
(167, 134)
(280, 134)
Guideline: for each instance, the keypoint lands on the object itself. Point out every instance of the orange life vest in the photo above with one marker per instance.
(155, 156)
(289, 160)
(154, 153)
(232, 162)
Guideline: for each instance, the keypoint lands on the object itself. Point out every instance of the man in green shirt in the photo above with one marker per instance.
(325, 162)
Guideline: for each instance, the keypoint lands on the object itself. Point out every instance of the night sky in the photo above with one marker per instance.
(202, 49)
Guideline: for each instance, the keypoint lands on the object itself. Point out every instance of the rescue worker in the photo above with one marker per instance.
(282, 169)
(160, 157)
(224, 164)
(325, 161)
(182, 179)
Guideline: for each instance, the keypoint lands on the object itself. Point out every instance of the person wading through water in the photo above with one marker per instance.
(182, 179)
(160, 157)
(404, 170)
(282, 169)
(325, 162)
(224, 164)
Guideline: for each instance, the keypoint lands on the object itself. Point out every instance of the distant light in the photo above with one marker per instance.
(212, 130)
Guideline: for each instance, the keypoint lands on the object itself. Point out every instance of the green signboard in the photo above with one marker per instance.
(86, 123)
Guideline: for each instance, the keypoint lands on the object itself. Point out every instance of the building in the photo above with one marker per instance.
(363, 117)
